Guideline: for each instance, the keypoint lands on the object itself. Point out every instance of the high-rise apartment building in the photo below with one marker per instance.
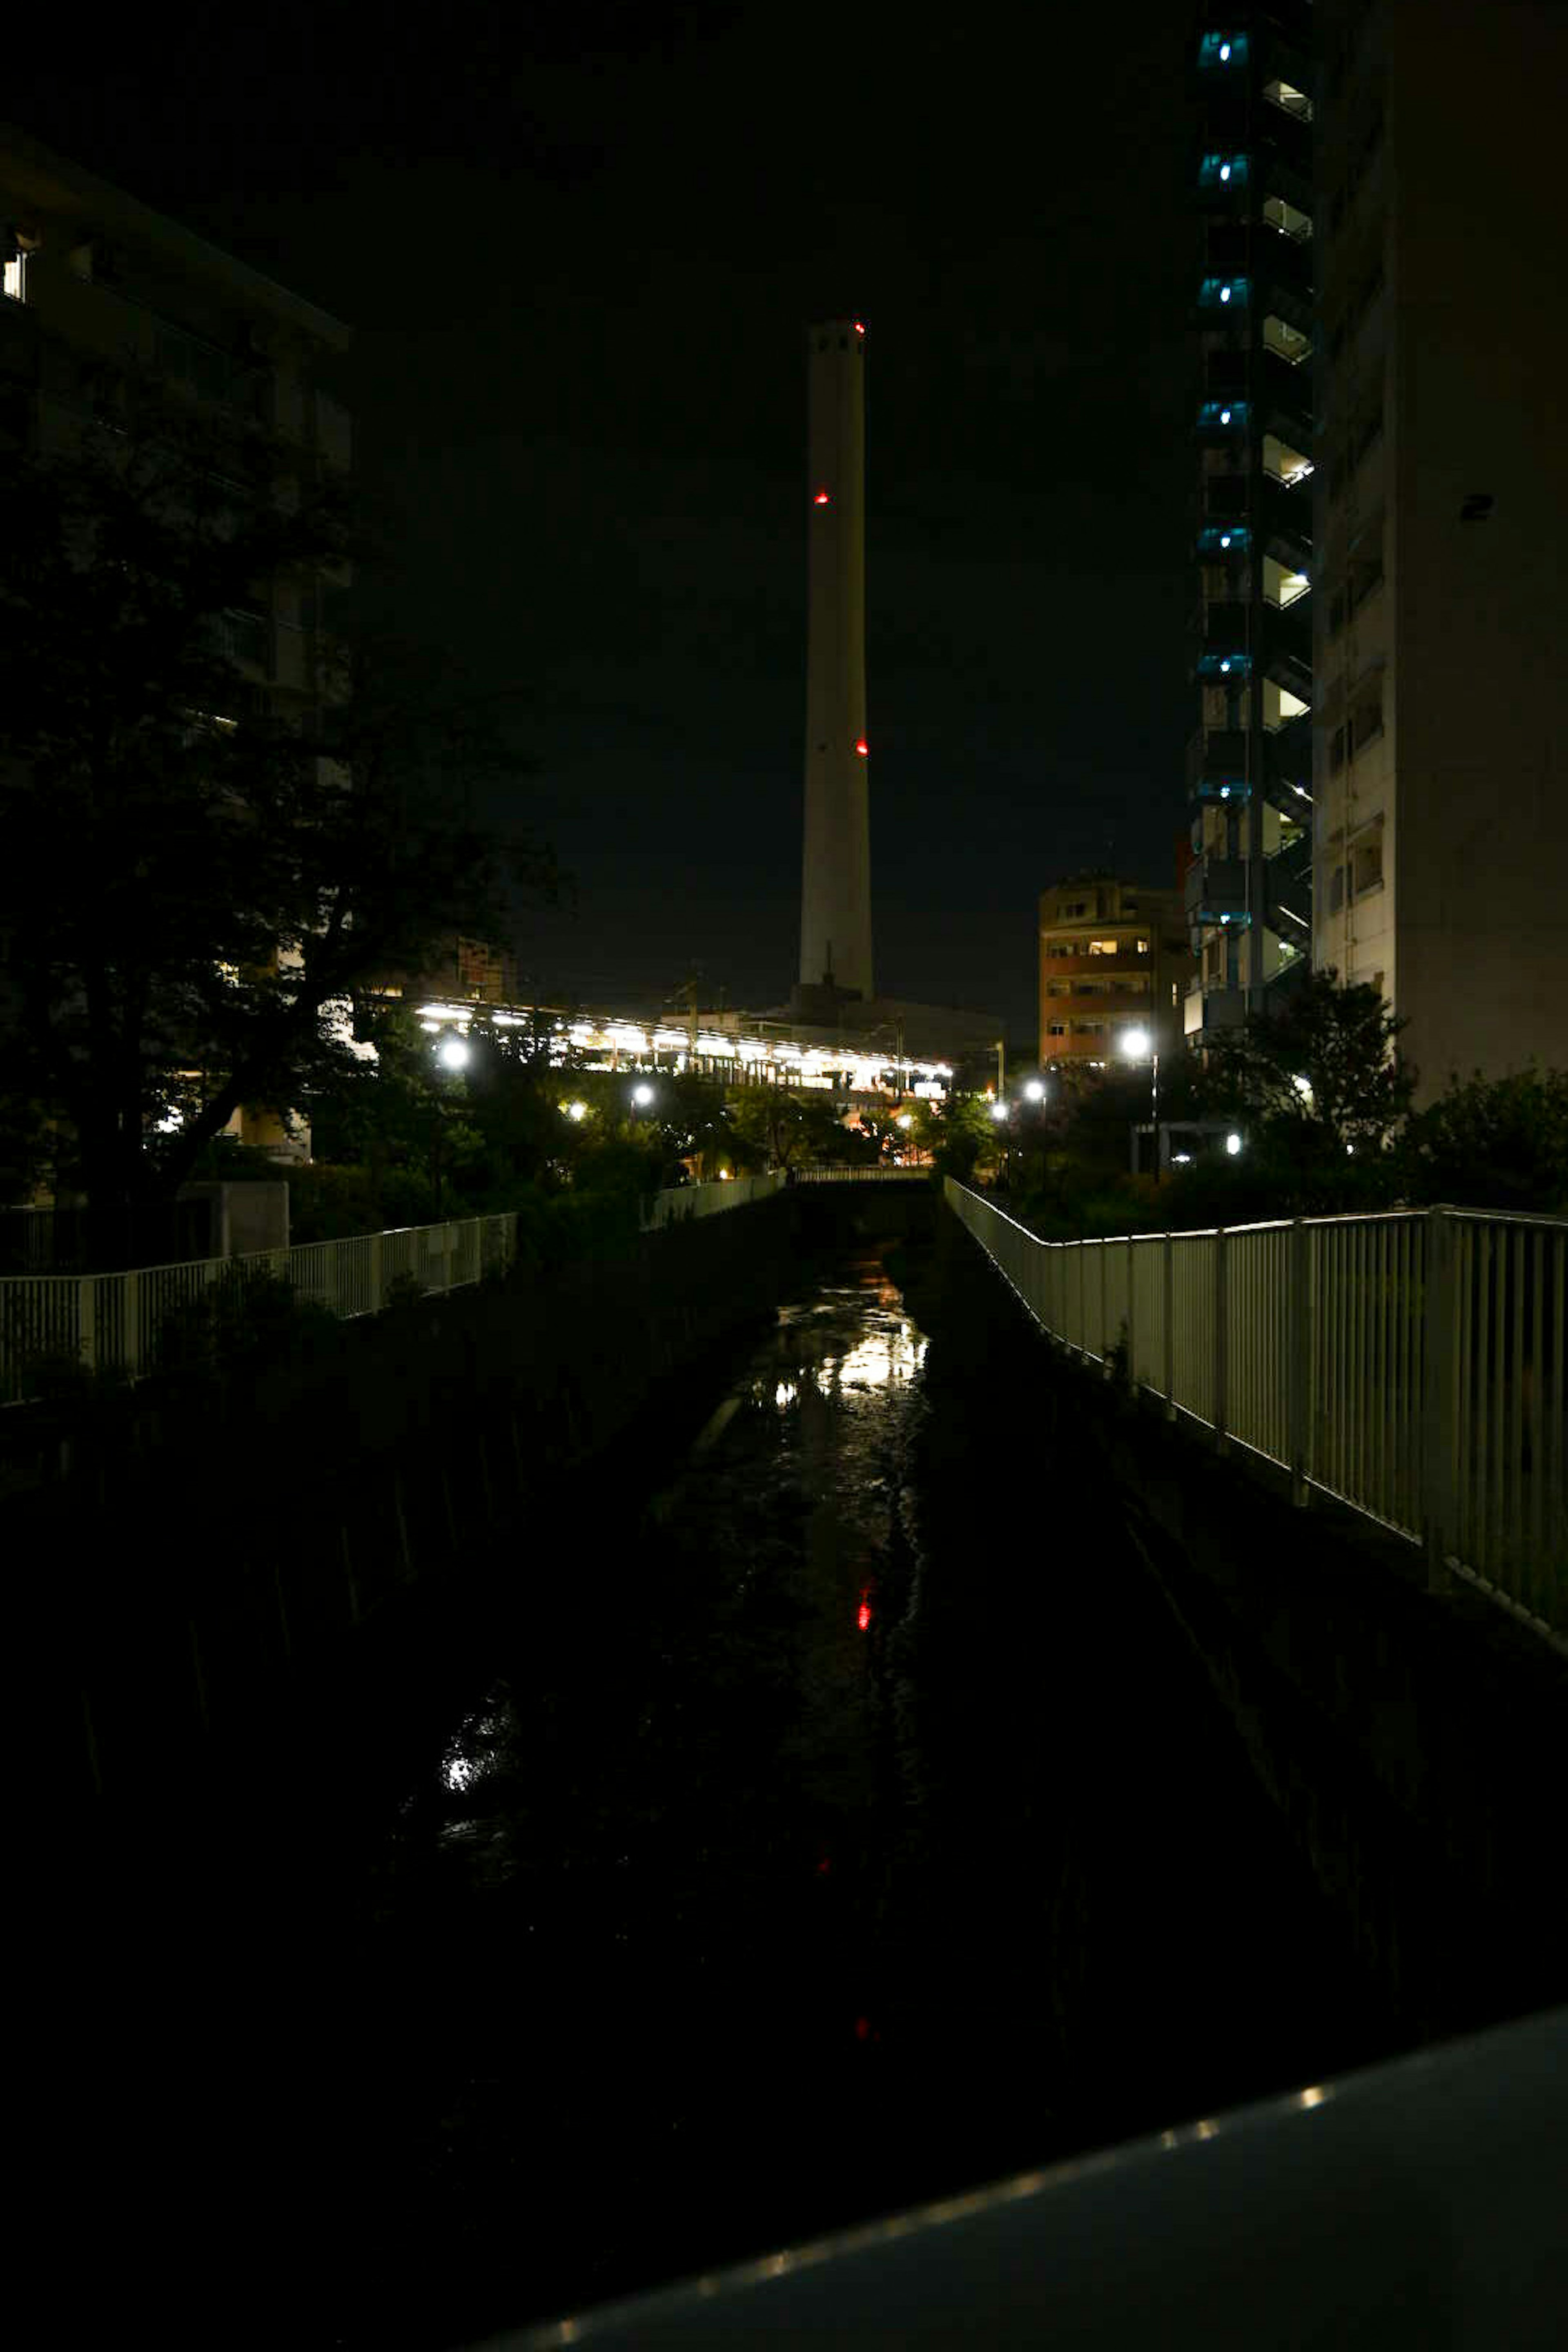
(96, 283)
(1438, 603)
(1113, 959)
(1249, 762)
(96, 287)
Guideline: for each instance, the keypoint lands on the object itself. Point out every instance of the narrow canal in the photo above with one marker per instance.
(828, 1821)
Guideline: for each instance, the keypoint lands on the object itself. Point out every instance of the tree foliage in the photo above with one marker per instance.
(1493, 1143)
(788, 1126)
(192, 888)
(1322, 1074)
(959, 1136)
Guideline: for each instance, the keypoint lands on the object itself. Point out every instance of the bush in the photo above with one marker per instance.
(248, 1320)
(1499, 1144)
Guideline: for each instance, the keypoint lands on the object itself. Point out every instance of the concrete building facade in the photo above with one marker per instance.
(1441, 835)
(1114, 956)
(836, 874)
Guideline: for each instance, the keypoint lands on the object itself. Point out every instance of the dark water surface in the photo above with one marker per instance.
(830, 1816)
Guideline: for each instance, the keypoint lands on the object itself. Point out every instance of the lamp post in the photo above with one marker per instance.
(1135, 1044)
(452, 1054)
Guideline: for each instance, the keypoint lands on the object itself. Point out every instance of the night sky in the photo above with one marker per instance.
(580, 247)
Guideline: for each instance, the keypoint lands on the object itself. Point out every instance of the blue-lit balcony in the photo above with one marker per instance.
(1213, 667)
(1223, 421)
(1224, 53)
(1217, 890)
(1218, 541)
(1222, 299)
(1216, 765)
(1222, 175)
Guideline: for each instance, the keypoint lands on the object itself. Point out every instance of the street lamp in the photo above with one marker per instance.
(998, 1110)
(1035, 1091)
(1135, 1044)
(642, 1095)
(452, 1052)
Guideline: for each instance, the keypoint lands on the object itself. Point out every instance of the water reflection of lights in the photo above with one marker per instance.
(470, 1751)
(883, 1357)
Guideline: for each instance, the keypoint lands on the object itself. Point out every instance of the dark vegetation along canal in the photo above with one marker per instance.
(830, 1815)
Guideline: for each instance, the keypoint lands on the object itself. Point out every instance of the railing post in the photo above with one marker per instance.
(1221, 1350)
(131, 1326)
(1299, 1358)
(377, 1294)
(1440, 1399)
(1169, 1328)
(86, 1319)
(1131, 1322)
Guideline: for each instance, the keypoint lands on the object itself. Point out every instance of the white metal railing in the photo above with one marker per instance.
(812, 1175)
(112, 1321)
(680, 1202)
(1411, 1363)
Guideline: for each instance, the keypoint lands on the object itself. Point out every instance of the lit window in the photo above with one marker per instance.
(1142, 947)
(15, 285)
(1288, 342)
(1102, 947)
(1290, 100)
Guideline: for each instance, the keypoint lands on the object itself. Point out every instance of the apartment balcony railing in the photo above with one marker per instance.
(1217, 763)
(1412, 1364)
(1217, 889)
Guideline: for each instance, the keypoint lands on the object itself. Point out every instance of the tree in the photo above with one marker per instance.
(1318, 1080)
(193, 889)
(786, 1126)
(960, 1135)
(1493, 1143)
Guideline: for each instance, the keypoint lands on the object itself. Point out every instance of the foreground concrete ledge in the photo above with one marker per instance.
(1418, 2203)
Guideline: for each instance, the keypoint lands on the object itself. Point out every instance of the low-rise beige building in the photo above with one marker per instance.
(1113, 958)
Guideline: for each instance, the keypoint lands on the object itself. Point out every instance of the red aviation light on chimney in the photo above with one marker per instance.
(859, 330)
(820, 499)
(863, 1616)
(863, 747)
